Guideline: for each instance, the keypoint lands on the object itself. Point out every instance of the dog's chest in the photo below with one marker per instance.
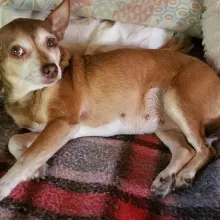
(33, 121)
(32, 125)
(31, 112)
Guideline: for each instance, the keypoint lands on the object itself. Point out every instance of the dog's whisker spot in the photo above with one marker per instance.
(18, 80)
(147, 116)
(123, 115)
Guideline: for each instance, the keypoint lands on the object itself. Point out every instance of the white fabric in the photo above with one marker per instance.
(87, 36)
(91, 36)
(211, 32)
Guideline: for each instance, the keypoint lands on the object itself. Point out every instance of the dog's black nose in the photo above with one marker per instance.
(50, 70)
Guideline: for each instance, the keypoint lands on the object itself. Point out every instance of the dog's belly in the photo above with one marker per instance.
(140, 120)
(118, 126)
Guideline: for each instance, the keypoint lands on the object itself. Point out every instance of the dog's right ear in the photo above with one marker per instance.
(58, 19)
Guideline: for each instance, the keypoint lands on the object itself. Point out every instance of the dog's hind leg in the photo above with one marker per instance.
(193, 129)
(182, 153)
(19, 143)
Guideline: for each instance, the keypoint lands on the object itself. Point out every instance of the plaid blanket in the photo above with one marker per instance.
(106, 178)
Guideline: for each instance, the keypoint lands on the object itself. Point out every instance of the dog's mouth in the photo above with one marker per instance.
(49, 81)
(41, 78)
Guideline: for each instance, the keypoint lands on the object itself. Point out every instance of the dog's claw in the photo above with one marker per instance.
(163, 184)
(184, 180)
(40, 173)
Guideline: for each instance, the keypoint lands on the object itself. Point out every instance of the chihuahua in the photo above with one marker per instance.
(59, 97)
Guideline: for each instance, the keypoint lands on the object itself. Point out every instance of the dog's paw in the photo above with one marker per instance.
(163, 184)
(40, 173)
(184, 179)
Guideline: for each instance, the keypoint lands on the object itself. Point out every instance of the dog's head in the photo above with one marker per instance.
(29, 51)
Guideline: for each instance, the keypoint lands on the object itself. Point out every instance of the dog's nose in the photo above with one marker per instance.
(50, 70)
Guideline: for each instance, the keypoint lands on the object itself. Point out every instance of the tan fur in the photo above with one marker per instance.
(124, 91)
(179, 43)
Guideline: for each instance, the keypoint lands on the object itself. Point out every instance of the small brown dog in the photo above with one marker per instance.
(61, 97)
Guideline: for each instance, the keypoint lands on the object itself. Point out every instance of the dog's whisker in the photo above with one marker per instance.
(19, 80)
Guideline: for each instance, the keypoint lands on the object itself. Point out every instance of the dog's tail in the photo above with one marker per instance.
(179, 43)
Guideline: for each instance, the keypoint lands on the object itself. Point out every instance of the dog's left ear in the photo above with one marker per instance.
(59, 19)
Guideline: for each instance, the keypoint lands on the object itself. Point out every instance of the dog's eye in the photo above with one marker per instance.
(17, 51)
(51, 42)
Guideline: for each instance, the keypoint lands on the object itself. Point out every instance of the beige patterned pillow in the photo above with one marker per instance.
(176, 15)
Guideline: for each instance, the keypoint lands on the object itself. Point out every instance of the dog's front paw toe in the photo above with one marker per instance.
(184, 180)
(163, 184)
(40, 173)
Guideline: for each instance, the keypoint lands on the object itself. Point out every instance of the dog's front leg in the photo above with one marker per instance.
(19, 143)
(51, 139)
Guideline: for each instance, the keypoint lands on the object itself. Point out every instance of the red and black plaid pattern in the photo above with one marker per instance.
(104, 178)
(92, 178)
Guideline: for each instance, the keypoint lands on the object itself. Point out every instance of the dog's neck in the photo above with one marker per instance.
(19, 92)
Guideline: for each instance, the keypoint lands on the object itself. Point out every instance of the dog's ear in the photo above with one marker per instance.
(59, 19)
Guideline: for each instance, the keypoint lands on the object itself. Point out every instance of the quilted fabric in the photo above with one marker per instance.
(176, 15)
(106, 178)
